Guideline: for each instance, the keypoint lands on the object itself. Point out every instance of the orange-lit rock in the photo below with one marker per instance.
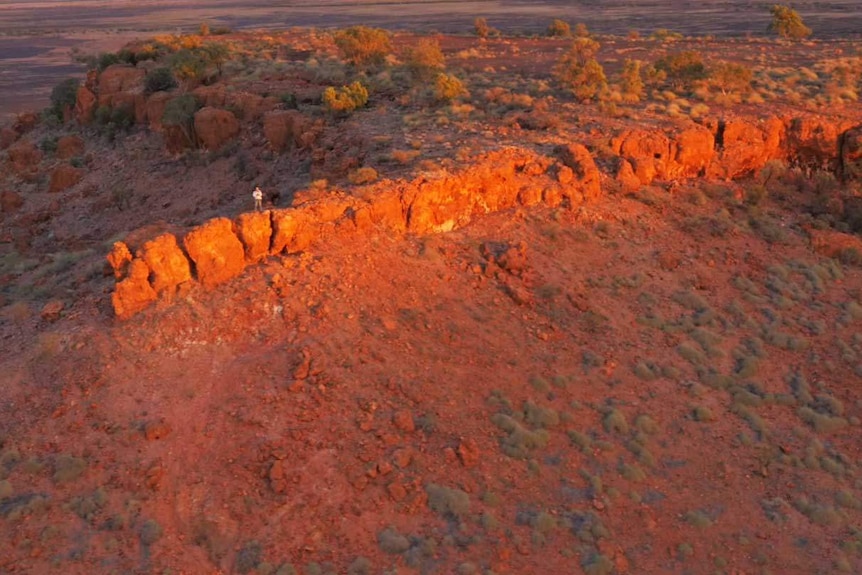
(815, 141)
(215, 127)
(69, 147)
(216, 251)
(64, 177)
(134, 293)
(744, 148)
(647, 151)
(284, 129)
(166, 261)
(626, 177)
(291, 231)
(213, 96)
(586, 183)
(693, 151)
(255, 232)
(119, 259)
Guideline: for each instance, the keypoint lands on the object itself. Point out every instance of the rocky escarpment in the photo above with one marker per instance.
(219, 249)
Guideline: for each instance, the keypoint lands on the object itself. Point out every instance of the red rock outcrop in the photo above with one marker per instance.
(215, 127)
(646, 150)
(255, 232)
(832, 244)
(655, 154)
(116, 82)
(134, 293)
(167, 262)
(119, 259)
(284, 128)
(851, 154)
(292, 231)
(85, 105)
(8, 136)
(69, 147)
(64, 177)
(216, 251)
(10, 201)
(24, 158)
(744, 147)
(815, 141)
(211, 96)
(587, 179)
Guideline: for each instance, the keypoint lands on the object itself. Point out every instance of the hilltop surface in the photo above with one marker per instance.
(489, 321)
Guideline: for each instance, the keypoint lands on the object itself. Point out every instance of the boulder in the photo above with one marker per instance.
(119, 259)
(292, 231)
(814, 141)
(851, 154)
(586, 182)
(212, 96)
(69, 147)
(51, 311)
(8, 136)
(284, 129)
(648, 152)
(10, 201)
(215, 127)
(626, 177)
(85, 105)
(26, 122)
(120, 78)
(134, 293)
(167, 262)
(249, 106)
(694, 149)
(255, 232)
(64, 177)
(216, 251)
(743, 148)
(832, 244)
(24, 157)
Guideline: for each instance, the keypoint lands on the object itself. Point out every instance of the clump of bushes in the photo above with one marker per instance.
(579, 71)
(787, 23)
(345, 99)
(682, 69)
(425, 59)
(63, 98)
(159, 80)
(180, 113)
(559, 29)
(363, 46)
(448, 87)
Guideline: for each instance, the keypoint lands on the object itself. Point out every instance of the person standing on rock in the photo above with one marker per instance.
(258, 198)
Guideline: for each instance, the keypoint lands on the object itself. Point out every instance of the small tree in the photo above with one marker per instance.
(683, 69)
(216, 53)
(363, 46)
(787, 23)
(480, 26)
(559, 28)
(159, 80)
(631, 83)
(425, 59)
(180, 112)
(579, 71)
(189, 67)
(346, 99)
(731, 78)
(64, 96)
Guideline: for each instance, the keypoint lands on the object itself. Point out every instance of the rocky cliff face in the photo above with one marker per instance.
(219, 249)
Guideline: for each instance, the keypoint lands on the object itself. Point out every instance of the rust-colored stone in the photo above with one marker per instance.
(64, 177)
(167, 262)
(216, 251)
(255, 232)
(215, 127)
(119, 259)
(283, 129)
(69, 147)
(133, 294)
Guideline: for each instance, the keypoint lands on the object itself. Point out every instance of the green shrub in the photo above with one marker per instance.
(180, 112)
(188, 66)
(579, 71)
(631, 83)
(448, 87)
(559, 28)
(63, 97)
(682, 69)
(159, 80)
(107, 59)
(363, 46)
(787, 23)
(447, 502)
(345, 99)
(731, 78)
(426, 59)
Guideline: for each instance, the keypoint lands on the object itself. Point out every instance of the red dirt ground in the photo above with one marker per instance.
(658, 382)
